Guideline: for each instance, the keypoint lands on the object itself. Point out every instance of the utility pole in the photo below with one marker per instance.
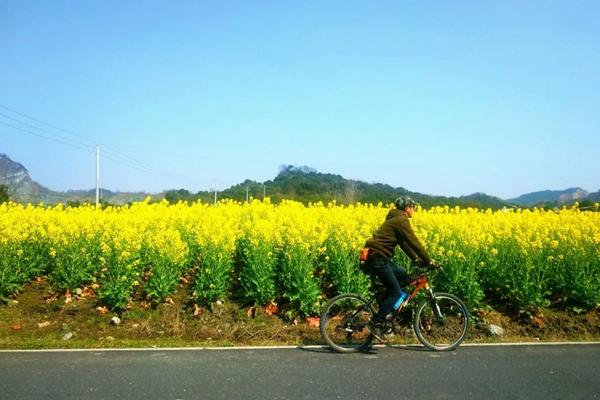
(263, 192)
(246, 194)
(97, 175)
(215, 181)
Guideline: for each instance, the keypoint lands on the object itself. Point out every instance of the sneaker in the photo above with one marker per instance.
(377, 330)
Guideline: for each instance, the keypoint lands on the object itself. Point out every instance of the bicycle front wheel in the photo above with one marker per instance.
(442, 322)
(344, 323)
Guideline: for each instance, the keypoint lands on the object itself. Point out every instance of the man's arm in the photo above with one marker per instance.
(409, 252)
(411, 245)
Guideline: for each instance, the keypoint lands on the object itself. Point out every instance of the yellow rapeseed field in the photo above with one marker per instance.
(295, 254)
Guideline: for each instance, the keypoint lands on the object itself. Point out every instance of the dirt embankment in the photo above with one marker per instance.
(37, 319)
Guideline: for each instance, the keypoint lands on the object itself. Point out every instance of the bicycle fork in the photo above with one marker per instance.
(434, 304)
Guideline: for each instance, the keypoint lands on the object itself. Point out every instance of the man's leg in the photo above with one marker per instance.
(385, 271)
(401, 275)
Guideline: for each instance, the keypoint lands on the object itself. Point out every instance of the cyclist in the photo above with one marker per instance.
(378, 254)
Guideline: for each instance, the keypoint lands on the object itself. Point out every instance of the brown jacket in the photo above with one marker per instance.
(396, 230)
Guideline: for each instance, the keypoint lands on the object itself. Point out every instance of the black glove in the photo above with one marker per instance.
(433, 265)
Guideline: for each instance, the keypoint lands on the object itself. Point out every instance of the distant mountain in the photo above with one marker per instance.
(307, 185)
(23, 189)
(594, 197)
(295, 183)
(303, 182)
(478, 199)
(551, 196)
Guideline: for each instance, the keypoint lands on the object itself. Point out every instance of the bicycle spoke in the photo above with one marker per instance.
(441, 324)
(344, 323)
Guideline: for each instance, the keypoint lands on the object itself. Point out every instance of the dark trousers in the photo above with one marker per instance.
(393, 277)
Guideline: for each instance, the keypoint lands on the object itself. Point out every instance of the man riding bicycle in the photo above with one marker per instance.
(378, 254)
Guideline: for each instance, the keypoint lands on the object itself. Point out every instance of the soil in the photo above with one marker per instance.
(37, 319)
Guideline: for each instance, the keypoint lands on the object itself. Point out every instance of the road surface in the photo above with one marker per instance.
(489, 372)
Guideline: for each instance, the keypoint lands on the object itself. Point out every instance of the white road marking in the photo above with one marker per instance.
(299, 347)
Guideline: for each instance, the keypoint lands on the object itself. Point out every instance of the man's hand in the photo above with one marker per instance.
(433, 265)
(428, 265)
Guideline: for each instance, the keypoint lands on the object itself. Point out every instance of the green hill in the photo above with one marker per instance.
(307, 185)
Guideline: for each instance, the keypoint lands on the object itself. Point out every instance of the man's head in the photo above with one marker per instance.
(406, 204)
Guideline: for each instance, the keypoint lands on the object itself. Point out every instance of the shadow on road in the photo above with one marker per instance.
(317, 349)
(324, 349)
(407, 347)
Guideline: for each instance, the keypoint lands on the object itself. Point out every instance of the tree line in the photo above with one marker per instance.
(306, 185)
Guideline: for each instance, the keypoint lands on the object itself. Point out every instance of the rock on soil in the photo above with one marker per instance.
(495, 330)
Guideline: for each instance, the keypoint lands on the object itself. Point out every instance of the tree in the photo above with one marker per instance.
(174, 196)
(3, 194)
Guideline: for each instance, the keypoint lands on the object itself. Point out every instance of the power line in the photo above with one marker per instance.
(57, 140)
(42, 122)
(66, 139)
(114, 155)
(109, 152)
(90, 145)
(134, 164)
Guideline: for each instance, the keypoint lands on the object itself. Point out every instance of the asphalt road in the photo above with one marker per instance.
(502, 372)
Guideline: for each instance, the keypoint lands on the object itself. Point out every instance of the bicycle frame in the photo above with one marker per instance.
(421, 283)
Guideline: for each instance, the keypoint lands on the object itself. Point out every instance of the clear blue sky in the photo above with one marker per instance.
(445, 98)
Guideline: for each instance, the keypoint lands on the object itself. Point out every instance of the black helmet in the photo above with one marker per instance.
(404, 201)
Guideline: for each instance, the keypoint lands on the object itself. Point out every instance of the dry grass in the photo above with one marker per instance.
(35, 319)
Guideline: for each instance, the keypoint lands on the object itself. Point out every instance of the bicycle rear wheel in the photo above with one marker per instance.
(441, 323)
(344, 323)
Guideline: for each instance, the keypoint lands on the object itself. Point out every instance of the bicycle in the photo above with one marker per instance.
(440, 322)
